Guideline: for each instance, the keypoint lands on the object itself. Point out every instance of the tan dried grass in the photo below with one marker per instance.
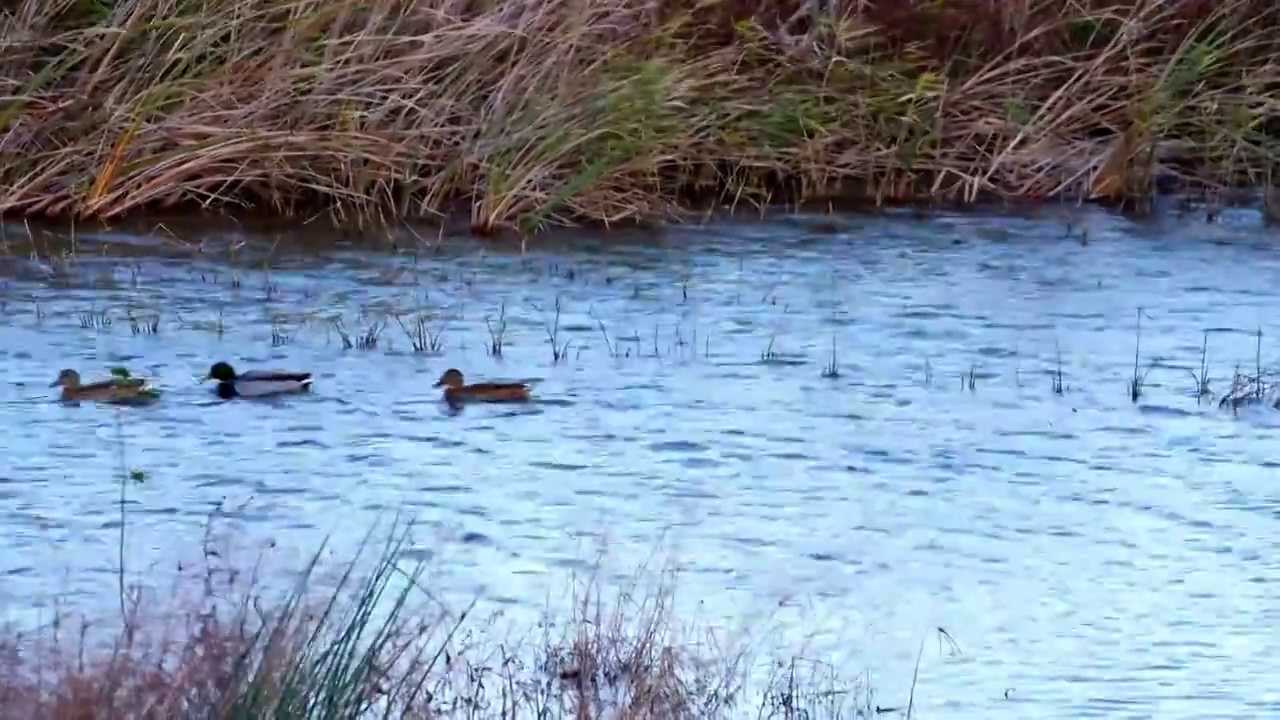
(561, 111)
(223, 644)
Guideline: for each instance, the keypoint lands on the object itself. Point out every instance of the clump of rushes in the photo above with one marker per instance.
(617, 110)
(94, 319)
(368, 340)
(145, 325)
(497, 332)
(421, 336)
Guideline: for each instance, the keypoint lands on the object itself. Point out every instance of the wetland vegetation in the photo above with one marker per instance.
(522, 115)
(372, 639)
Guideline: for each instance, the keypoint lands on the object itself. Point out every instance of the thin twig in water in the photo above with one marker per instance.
(1258, 366)
(1202, 379)
(558, 351)
(608, 343)
(1139, 378)
(769, 355)
(832, 370)
(1058, 387)
(497, 338)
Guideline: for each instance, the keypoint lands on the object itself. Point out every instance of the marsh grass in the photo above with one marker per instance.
(1201, 377)
(497, 332)
(768, 355)
(832, 368)
(422, 337)
(1058, 385)
(144, 325)
(94, 319)
(280, 335)
(370, 639)
(551, 326)
(609, 347)
(1139, 377)
(522, 115)
(367, 340)
(1260, 387)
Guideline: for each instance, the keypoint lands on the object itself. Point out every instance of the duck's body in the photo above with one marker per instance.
(117, 390)
(257, 383)
(456, 391)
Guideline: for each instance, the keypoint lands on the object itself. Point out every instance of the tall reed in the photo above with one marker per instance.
(524, 114)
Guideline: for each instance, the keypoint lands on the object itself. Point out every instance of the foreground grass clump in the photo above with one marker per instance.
(554, 111)
(367, 648)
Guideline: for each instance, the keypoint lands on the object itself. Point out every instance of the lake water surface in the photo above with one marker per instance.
(1091, 556)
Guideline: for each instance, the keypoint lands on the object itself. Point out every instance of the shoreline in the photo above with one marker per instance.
(413, 235)
(524, 117)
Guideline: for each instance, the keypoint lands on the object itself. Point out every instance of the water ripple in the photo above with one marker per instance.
(1094, 557)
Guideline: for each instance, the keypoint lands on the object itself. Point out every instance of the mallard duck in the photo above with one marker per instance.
(257, 383)
(117, 390)
(457, 392)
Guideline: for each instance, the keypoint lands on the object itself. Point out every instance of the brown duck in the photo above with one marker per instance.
(118, 390)
(457, 392)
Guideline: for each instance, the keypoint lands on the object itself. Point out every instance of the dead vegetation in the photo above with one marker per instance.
(378, 643)
(561, 111)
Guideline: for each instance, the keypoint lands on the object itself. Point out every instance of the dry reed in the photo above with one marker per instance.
(223, 645)
(527, 114)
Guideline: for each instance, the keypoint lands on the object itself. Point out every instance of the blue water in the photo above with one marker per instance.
(1090, 556)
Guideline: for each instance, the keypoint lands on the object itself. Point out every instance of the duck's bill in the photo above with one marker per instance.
(55, 383)
(436, 385)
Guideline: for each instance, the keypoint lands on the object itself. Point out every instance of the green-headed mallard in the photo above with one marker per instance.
(257, 383)
(457, 392)
(119, 390)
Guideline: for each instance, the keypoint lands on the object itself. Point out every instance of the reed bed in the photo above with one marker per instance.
(528, 114)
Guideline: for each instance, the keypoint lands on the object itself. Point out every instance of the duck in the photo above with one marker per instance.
(117, 390)
(257, 383)
(456, 391)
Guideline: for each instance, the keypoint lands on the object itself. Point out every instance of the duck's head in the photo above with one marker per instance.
(451, 379)
(67, 378)
(222, 372)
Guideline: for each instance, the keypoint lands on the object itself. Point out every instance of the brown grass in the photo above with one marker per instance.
(528, 113)
(222, 645)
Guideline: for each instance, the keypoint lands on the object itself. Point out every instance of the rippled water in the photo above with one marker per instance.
(1091, 556)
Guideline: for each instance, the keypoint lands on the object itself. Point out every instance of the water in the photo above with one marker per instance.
(1091, 556)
